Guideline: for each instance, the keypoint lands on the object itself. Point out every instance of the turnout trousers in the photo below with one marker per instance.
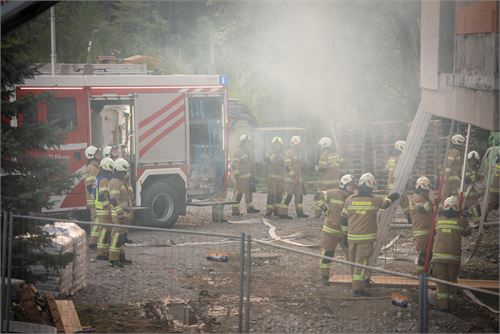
(446, 294)
(104, 235)
(118, 237)
(242, 188)
(94, 229)
(274, 192)
(329, 242)
(359, 253)
(292, 189)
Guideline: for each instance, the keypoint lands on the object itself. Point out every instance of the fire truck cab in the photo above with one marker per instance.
(171, 128)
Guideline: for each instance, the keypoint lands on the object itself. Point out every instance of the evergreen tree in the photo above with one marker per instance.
(29, 177)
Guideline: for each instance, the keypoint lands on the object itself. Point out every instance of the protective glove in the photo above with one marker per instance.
(393, 196)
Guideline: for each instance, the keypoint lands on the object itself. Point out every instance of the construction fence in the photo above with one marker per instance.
(217, 282)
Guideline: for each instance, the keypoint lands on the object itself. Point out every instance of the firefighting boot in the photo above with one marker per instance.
(360, 293)
(124, 260)
(235, 211)
(115, 264)
(276, 212)
(251, 209)
(301, 214)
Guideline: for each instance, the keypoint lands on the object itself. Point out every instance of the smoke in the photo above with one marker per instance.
(337, 61)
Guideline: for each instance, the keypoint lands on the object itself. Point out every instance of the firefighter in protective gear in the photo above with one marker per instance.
(360, 216)
(243, 171)
(328, 168)
(447, 250)
(494, 190)
(275, 176)
(103, 207)
(453, 166)
(94, 156)
(293, 181)
(421, 211)
(110, 151)
(390, 168)
(472, 194)
(333, 233)
(120, 197)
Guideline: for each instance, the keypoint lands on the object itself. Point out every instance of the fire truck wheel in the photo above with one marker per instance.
(163, 205)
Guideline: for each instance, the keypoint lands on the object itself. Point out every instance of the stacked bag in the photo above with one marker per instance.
(66, 238)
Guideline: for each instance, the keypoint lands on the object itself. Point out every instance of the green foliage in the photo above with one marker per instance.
(28, 176)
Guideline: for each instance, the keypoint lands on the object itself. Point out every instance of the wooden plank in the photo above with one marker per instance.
(54, 312)
(29, 306)
(69, 317)
(402, 281)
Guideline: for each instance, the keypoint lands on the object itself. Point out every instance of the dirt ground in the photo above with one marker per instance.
(172, 287)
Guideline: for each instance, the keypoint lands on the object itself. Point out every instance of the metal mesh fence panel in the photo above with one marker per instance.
(176, 281)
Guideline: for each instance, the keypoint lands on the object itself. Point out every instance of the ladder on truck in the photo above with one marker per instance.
(402, 173)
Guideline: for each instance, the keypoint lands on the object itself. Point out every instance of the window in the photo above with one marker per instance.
(63, 111)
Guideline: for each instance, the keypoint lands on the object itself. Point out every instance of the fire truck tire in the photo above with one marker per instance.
(164, 205)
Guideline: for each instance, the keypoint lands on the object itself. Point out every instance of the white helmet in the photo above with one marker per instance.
(277, 139)
(121, 165)
(423, 183)
(107, 164)
(325, 142)
(295, 141)
(244, 138)
(473, 155)
(345, 180)
(91, 151)
(458, 139)
(368, 179)
(451, 203)
(106, 152)
(400, 145)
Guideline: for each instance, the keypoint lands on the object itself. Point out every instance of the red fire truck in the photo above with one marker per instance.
(172, 129)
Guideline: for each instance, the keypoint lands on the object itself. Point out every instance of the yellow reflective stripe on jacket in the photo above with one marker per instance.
(358, 277)
(90, 178)
(442, 256)
(420, 232)
(447, 222)
(336, 201)
(330, 230)
(329, 181)
(361, 237)
(361, 207)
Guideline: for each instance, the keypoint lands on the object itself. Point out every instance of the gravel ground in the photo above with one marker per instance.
(286, 293)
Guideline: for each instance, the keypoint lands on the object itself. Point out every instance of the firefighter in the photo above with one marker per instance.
(328, 168)
(244, 176)
(390, 168)
(360, 216)
(494, 190)
(110, 151)
(472, 195)
(120, 198)
(332, 202)
(94, 156)
(293, 181)
(275, 176)
(103, 207)
(421, 211)
(453, 166)
(450, 228)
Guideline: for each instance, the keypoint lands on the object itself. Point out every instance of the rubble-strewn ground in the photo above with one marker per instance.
(286, 294)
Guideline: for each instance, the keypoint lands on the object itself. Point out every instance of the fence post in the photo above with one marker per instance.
(242, 280)
(422, 303)
(249, 284)
(9, 272)
(3, 273)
